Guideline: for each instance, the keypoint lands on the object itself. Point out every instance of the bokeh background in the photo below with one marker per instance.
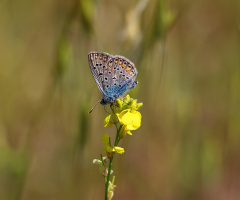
(188, 57)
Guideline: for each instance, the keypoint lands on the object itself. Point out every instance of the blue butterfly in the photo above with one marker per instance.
(114, 75)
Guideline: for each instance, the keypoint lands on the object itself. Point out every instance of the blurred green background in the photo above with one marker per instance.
(188, 57)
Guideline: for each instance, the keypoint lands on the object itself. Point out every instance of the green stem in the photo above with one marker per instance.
(108, 177)
(117, 139)
(110, 163)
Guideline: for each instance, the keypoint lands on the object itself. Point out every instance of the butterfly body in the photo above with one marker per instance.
(114, 75)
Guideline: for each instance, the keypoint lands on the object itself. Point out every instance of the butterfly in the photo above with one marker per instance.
(114, 75)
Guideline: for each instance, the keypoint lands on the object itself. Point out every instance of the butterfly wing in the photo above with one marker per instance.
(114, 75)
(97, 62)
(119, 77)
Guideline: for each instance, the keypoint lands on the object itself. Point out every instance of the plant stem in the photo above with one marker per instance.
(117, 139)
(108, 177)
(110, 163)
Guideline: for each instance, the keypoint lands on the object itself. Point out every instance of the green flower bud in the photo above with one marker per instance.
(119, 103)
(139, 105)
(114, 118)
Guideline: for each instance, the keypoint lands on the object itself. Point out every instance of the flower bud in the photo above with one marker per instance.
(123, 132)
(126, 99)
(109, 154)
(119, 103)
(139, 105)
(114, 118)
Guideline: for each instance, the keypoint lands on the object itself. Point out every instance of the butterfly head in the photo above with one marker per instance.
(104, 101)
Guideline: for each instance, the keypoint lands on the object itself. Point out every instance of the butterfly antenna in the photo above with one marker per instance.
(94, 107)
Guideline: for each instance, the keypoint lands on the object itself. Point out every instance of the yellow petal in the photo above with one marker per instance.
(119, 150)
(106, 120)
(131, 119)
(120, 115)
(129, 133)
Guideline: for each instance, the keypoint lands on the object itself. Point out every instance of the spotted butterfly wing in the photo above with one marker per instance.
(97, 62)
(114, 75)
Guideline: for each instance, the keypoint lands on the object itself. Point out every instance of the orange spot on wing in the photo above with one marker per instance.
(128, 69)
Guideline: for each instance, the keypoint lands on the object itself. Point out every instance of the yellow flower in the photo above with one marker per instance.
(130, 118)
(119, 150)
(107, 147)
(125, 111)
